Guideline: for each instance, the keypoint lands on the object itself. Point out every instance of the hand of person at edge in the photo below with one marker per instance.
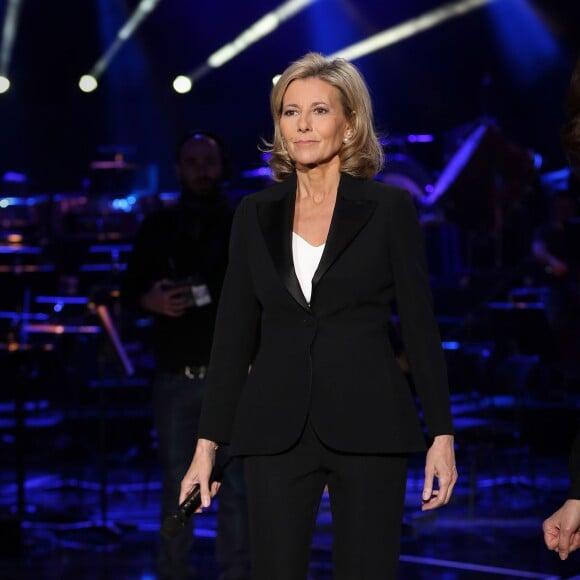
(562, 529)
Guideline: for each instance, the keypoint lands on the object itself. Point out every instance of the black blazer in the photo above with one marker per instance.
(330, 359)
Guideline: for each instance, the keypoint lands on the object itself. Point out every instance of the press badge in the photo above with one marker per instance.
(201, 295)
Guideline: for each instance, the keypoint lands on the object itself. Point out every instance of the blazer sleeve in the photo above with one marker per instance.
(414, 303)
(235, 335)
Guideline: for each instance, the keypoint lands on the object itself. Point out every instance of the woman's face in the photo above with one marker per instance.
(313, 124)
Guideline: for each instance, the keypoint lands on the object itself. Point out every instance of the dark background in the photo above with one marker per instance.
(510, 60)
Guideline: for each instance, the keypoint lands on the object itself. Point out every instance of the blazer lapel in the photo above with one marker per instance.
(350, 214)
(276, 218)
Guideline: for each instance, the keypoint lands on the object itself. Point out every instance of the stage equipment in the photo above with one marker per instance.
(484, 178)
(77, 331)
(24, 218)
(403, 171)
(482, 187)
(116, 195)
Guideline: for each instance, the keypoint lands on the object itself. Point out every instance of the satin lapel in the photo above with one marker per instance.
(276, 218)
(349, 217)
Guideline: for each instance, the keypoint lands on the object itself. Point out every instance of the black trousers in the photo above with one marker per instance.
(367, 497)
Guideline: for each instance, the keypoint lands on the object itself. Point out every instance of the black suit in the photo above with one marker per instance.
(325, 402)
(330, 359)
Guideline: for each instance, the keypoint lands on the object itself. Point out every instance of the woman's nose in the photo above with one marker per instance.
(303, 123)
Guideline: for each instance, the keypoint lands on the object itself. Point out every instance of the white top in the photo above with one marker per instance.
(306, 260)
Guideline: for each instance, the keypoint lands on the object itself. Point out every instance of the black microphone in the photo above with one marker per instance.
(174, 523)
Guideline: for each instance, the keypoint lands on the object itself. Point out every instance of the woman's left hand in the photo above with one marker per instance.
(440, 464)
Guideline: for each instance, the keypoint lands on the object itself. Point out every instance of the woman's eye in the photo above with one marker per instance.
(321, 110)
(289, 113)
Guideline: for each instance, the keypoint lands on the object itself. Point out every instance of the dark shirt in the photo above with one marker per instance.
(178, 243)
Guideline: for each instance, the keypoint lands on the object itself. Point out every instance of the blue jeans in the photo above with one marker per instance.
(176, 407)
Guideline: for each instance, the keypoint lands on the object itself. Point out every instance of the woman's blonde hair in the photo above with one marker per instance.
(362, 155)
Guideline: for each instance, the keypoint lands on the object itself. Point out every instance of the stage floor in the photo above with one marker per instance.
(83, 518)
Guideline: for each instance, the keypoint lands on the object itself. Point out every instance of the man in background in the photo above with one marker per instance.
(175, 273)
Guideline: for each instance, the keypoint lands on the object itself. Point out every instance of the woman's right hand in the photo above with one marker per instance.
(199, 472)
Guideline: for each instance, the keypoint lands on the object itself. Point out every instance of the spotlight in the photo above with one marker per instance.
(4, 84)
(144, 8)
(88, 83)
(182, 84)
(262, 27)
(8, 37)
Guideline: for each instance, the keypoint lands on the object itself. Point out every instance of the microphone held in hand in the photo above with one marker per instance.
(174, 523)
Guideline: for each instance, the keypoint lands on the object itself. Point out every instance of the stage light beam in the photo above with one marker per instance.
(144, 8)
(262, 27)
(409, 28)
(9, 30)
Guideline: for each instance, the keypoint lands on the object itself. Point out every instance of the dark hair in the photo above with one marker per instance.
(227, 169)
